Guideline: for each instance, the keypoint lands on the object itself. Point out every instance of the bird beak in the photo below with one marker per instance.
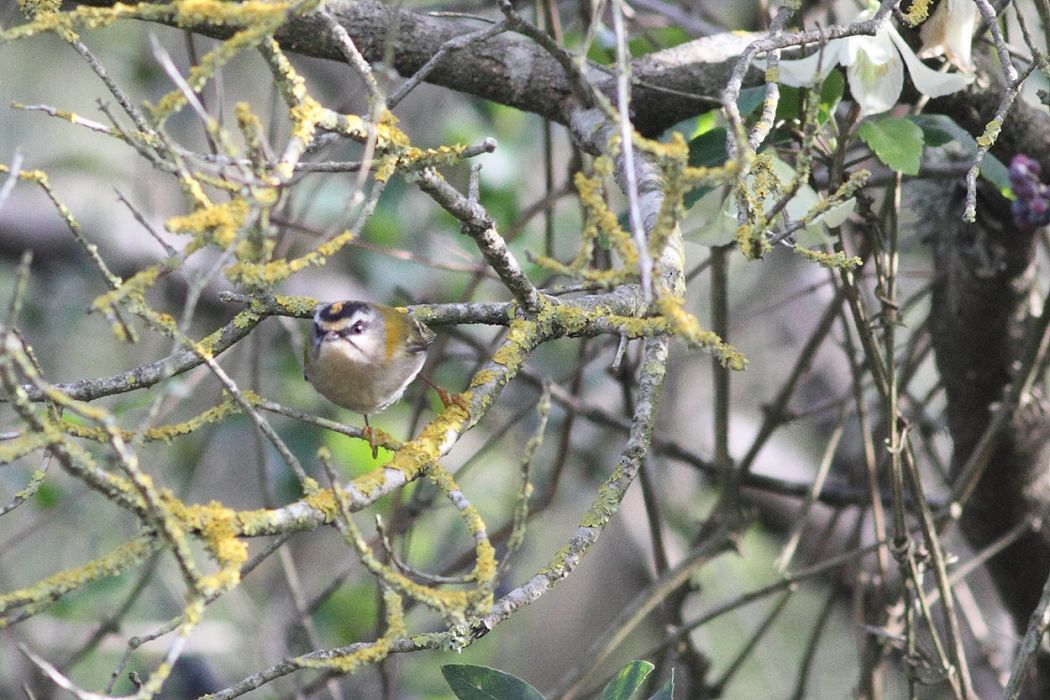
(336, 336)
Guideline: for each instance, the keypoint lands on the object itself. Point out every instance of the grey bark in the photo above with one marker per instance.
(979, 307)
(982, 300)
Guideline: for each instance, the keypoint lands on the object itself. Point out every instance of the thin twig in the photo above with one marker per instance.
(623, 107)
(482, 228)
(449, 46)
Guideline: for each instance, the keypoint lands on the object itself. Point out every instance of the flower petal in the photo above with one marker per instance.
(878, 49)
(950, 31)
(838, 214)
(803, 72)
(876, 87)
(958, 34)
(928, 81)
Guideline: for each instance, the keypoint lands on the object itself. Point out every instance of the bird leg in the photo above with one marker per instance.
(371, 437)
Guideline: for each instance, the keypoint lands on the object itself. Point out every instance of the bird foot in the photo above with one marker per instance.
(447, 398)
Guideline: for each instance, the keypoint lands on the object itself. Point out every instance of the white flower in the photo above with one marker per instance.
(874, 68)
(950, 32)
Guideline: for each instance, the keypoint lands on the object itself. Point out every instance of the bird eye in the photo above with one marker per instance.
(357, 328)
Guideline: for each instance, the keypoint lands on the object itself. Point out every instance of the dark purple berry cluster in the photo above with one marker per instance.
(1031, 209)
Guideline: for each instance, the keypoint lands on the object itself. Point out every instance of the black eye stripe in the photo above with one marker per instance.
(355, 329)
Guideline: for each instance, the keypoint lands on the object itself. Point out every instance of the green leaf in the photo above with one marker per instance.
(940, 129)
(937, 129)
(470, 682)
(704, 123)
(627, 681)
(788, 105)
(709, 149)
(830, 95)
(671, 35)
(995, 171)
(599, 54)
(639, 46)
(897, 142)
(666, 692)
(710, 225)
(347, 614)
(750, 99)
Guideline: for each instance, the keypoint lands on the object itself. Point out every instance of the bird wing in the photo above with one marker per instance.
(422, 337)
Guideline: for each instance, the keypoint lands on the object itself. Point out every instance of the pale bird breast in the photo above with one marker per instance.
(342, 378)
(346, 378)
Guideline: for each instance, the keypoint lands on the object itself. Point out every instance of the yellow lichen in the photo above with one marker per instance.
(35, 8)
(686, 326)
(299, 306)
(521, 335)
(191, 12)
(13, 449)
(193, 612)
(918, 12)
(483, 378)
(325, 502)
(162, 433)
(485, 564)
(219, 529)
(711, 176)
(751, 241)
(304, 118)
(220, 535)
(50, 589)
(416, 456)
(44, 18)
(269, 274)
(217, 223)
(835, 261)
(367, 654)
(257, 27)
(605, 504)
(991, 133)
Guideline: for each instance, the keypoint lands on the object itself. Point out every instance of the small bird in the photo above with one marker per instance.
(362, 355)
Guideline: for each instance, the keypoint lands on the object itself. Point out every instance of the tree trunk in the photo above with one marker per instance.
(982, 301)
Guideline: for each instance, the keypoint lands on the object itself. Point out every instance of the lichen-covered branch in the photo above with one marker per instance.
(606, 502)
(667, 86)
(620, 270)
